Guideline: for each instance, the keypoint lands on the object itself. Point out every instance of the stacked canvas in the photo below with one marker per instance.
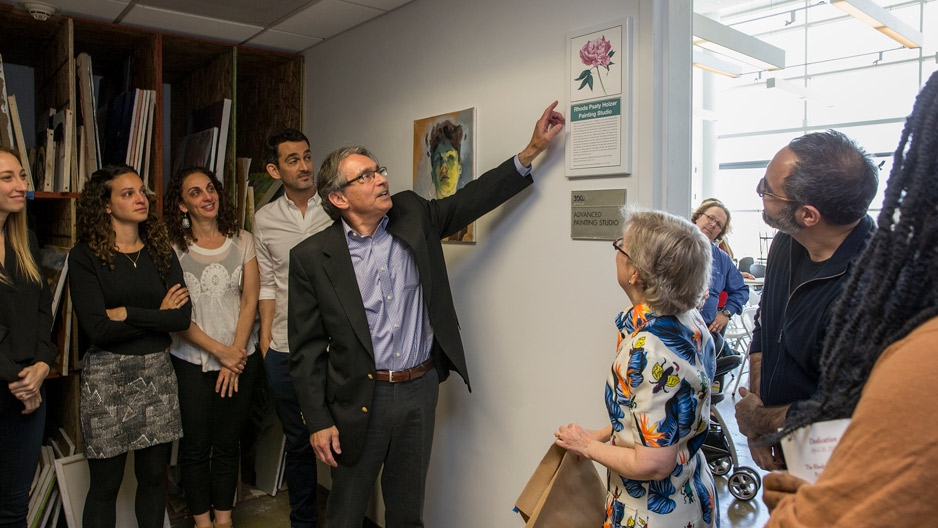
(129, 131)
(11, 128)
(206, 142)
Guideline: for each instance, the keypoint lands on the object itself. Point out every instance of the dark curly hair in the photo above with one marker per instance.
(94, 222)
(893, 288)
(227, 218)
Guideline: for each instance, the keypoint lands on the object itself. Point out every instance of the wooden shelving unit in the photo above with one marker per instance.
(266, 89)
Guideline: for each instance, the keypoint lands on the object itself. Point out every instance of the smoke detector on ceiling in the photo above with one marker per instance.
(39, 10)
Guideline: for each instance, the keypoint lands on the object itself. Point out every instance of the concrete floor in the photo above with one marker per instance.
(257, 510)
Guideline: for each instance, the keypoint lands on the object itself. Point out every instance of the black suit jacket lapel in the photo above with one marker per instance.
(338, 267)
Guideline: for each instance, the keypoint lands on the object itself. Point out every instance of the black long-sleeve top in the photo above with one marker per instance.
(26, 312)
(96, 288)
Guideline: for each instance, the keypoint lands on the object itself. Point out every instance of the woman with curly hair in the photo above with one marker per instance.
(26, 349)
(658, 389)
(127, 289)
(214, 359)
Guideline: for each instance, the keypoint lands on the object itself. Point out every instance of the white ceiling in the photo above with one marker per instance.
(285, 25)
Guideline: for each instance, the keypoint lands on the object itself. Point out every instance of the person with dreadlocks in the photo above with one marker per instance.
(878, 362)
(816, 192)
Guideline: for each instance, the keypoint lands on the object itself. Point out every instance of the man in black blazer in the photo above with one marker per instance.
(372, 326)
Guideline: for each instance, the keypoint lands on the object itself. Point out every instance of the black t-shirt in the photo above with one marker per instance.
(803, 268)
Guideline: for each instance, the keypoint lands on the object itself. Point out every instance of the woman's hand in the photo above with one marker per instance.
(31, 378)
(778, 485)
(231, 357)
(117, 314)
(175, 298)
(32, 403)
(574, 438)
(227, 384)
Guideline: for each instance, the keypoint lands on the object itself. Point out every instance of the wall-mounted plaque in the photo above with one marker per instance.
(596, 214)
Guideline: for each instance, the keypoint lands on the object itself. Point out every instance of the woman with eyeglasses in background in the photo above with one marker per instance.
(129, 294)
(726, 281)
(26, 349)
(658, 390)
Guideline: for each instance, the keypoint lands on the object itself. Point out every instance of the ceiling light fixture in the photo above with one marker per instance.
(792, 88)
(708, 62)
(718, 38)
(881, 20)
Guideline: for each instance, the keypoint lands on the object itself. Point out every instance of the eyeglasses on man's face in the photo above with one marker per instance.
(762, 189)
(366, 176)
(713, 220)
(617, 243)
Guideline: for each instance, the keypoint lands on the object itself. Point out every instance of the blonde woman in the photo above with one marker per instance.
(26, 349)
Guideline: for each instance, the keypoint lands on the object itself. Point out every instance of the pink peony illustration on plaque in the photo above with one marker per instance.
(595, 53)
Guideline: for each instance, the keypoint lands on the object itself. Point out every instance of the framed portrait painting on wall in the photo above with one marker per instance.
(444, 159)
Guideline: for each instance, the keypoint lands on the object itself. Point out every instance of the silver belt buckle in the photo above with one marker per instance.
(391, 376)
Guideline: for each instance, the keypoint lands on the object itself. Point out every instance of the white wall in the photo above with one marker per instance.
(536, 307)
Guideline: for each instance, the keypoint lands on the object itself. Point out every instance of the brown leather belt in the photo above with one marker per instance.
(397, 376)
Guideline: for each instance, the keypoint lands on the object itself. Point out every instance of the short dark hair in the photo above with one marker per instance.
(271, 147)
(891, 290)
(834, 175)
(329, 180)
(448, 132)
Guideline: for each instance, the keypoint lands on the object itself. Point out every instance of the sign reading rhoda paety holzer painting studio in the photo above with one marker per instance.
(596, 214)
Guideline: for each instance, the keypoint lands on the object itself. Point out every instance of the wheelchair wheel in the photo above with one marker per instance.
(721, 466)
(744, 484)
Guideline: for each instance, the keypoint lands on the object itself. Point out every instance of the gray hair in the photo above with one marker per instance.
(329, 180)
(672, 257)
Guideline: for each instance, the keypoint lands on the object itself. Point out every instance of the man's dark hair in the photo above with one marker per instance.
(281, 136)
(832, 174)
(892, 289)
(447, 132)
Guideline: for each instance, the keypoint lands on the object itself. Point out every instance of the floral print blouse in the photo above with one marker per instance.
(658, 395)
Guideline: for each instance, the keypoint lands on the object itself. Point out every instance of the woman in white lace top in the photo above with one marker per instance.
(214, 359)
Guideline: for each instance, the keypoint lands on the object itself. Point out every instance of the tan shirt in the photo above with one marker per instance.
(883, 471)
(278, 226)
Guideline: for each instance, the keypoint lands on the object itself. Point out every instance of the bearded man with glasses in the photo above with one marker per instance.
(816, 192)
(372, 326)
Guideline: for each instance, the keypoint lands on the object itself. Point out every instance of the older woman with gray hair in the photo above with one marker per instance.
(658, 389)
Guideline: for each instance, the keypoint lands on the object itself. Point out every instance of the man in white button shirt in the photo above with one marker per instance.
(278, 226)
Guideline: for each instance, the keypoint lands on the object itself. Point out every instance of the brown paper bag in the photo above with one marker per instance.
(563, 492)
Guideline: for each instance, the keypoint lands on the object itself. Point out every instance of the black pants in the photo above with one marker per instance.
(106, 477)
(209, 451)
(20, 441)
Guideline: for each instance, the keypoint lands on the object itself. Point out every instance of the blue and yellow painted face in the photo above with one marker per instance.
(445, 169)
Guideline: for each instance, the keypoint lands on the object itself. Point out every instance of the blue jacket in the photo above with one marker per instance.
(790, 329)
(724, 278)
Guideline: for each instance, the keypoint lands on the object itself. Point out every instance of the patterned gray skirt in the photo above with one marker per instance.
(127, 402)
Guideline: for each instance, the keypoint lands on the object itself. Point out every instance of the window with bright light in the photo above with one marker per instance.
(853, 79)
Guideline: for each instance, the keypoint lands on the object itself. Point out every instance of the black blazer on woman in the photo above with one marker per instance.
(26, 317)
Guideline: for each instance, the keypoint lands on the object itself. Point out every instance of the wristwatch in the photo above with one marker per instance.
(727, 313)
